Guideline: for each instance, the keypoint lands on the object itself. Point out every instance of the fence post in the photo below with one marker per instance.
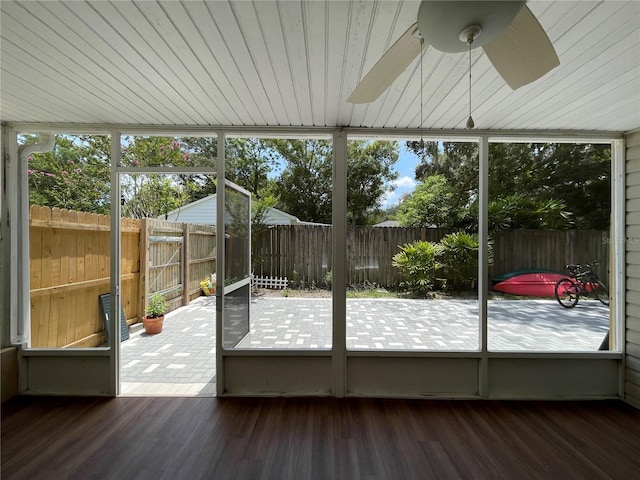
(186, 255)
(143, 284)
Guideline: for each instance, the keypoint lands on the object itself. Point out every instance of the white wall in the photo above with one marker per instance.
(203, 212)
(632, 234)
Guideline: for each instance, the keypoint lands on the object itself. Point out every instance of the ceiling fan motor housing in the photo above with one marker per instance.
(442, 23)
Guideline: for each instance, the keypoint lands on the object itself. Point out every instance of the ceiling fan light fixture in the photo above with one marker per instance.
(511, 36)
(470, 34)
(440, 22)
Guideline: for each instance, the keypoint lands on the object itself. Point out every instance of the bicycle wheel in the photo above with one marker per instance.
(567, 293)
(600, 292)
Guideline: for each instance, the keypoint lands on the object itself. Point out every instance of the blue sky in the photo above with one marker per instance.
(406, 168)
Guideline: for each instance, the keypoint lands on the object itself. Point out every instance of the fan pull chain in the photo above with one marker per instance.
(421, 117)
(470, 123)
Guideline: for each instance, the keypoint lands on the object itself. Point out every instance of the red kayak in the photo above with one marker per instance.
(540, 284)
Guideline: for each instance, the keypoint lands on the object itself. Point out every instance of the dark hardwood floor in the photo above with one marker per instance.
(317, 438)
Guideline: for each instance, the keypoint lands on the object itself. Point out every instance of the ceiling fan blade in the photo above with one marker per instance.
(387, 69)
(523, 53)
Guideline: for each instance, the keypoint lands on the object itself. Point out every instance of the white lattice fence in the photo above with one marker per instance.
(270, 282)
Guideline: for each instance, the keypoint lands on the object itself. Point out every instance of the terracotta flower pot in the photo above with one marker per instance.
(153, 325)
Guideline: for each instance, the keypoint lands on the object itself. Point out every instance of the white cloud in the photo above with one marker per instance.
(405, 182)
(402, 186)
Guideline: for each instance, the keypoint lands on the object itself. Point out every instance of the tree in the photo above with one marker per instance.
(369, 173)
(304, 186)
(570, 182)
(249, 164)
(580, 176)
(456, 161)
(434, 202)
(203, 152)
(152, 195)
(74, 175)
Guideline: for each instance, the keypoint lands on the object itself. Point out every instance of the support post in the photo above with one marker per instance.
(115, 256)
(185, 266)
(220, 264)
(483, 262)
(339, 233)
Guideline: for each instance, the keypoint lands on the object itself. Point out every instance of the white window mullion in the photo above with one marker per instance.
(114, 334)
(483, 261)
(220, 262)
(339, 241)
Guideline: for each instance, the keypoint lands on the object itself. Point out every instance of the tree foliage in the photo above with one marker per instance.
(74, 175)
(152, 195)
(434, 202)
(249, 164)
(531, 185)
(459, 260)
(369, 173)
(304, 186)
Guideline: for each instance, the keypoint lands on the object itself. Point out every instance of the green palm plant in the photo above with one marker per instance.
(417, 263)
(460, 260)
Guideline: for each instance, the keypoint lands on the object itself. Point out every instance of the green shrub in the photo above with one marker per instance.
(459, 260)
(328, 280)
(417, 263)
(297, 282)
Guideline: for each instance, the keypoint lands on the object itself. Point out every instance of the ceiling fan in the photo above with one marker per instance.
(509, 33)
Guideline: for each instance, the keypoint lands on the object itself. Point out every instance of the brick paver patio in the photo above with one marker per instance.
(181, 360)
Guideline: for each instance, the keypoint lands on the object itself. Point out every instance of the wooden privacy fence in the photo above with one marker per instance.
(169, 243)
(550, 249)
(70, 269)
(306, 250)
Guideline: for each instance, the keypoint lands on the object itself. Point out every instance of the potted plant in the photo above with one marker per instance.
(156, 308)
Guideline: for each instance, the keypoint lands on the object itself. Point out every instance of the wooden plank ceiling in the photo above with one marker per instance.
(295, 63)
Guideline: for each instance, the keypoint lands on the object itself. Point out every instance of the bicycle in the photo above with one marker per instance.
(583, 282)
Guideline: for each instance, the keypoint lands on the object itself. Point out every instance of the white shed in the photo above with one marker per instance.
(203, 212)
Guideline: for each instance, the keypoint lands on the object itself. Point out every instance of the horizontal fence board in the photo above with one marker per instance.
(69, 287)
